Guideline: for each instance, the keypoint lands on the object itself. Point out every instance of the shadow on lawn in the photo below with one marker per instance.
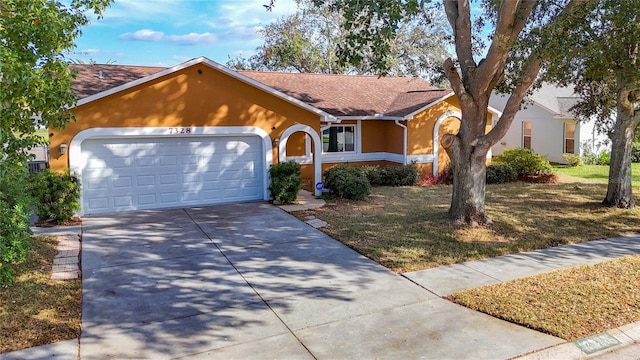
(408, 229)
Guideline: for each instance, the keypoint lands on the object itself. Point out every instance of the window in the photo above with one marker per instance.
(569, 138)
(526, 135)
(339, 139)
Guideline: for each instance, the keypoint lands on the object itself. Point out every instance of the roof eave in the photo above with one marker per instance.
(371, 117)
(426, 107)
(495, 111)
(324, 116)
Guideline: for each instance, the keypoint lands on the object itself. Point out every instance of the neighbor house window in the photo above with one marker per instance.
(526, 135)
(569, 138)
(339, 139)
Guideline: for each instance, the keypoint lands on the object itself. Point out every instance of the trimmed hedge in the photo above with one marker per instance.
(501, 174)
(525, 162)
(347, 182)
(285, 181)
(406, 175)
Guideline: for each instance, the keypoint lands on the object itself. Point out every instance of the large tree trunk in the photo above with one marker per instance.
(468, 164)
(469, 177)
(619, 190)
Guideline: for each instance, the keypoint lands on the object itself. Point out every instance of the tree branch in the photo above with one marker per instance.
(513, 104)
(512, 18)
(459, 16)
(454, 78)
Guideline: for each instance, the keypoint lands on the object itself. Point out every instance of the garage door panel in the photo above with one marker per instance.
(144, 180)
(122, 201)
(168, 179)
(130, 174)
(145, 161)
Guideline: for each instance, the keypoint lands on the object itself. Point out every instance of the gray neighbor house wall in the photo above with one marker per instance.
(546, 118)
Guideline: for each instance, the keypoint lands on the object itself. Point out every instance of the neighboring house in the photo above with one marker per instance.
(545, 124)
(200, 133)
(39, 160)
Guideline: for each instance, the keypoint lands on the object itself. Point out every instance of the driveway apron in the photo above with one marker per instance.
(251, 281)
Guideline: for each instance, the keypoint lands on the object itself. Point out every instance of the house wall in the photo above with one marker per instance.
(547, 132)
(186, 98)
(420, 132)
(296, 145)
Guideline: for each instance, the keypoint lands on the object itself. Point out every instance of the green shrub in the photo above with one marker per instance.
(604, 158)
(635, 152)
(588, 156)
(406, 175)
(15, 207)
(285, 181)
(500, 174)
(57, 195)
(374, 174)
(571, 159)
(347, 182)
(525, 162)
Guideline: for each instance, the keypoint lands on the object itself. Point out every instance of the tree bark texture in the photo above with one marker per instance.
(473, 83)
(619, 189)
(468, 164)
(469, 178)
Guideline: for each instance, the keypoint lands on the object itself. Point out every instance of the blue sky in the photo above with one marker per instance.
(168, 32)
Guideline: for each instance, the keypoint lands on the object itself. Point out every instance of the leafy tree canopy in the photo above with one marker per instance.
(315, 40)
(35, 91)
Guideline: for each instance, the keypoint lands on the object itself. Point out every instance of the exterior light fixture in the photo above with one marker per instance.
(63, 148)
(276, 141)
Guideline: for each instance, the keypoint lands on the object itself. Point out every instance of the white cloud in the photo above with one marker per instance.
(181, 58)
(143, 35)
(222, 22)
(193, 38)
(241, 34)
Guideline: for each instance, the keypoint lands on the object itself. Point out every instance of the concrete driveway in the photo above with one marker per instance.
(249, 281)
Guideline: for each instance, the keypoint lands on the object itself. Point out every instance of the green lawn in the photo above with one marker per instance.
(407, 228)
(599, 173)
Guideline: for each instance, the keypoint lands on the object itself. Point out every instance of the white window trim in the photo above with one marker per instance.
(564, 137)
(335, 156)
(530, 135)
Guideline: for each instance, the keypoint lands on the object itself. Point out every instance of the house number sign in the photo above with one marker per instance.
(179, 130)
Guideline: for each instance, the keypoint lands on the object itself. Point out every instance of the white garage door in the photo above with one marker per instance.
(132, 174)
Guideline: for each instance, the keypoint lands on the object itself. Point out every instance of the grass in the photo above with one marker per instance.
(36, 310)
(407, 228)
(571, 304)
(597, 173)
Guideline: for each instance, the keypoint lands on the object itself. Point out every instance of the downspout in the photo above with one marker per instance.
(404, 140)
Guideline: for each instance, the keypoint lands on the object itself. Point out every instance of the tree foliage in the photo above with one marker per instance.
(513, 54)
(604, 69)
(311, 40)
(35, 91)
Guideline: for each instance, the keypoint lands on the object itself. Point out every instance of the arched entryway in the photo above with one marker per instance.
(448, 122)
(316, 146)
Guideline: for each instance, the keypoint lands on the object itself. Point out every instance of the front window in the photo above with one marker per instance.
(569, 138)
(526, 135)
(339, 139)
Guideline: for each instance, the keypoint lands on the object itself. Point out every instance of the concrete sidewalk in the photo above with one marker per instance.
(248, 281)
(620, 343)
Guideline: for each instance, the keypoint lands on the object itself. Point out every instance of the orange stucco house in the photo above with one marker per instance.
(200, 133)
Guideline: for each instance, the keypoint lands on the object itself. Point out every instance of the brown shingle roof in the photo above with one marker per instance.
(95, 78)
(354, 95)
(338, 95)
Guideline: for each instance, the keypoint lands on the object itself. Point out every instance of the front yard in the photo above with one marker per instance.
(407, 229)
